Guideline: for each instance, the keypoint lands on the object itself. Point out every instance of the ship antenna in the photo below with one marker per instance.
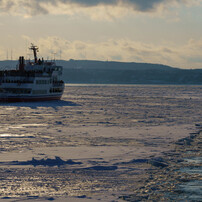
(11, 54)
(54, 55)
(35, 50)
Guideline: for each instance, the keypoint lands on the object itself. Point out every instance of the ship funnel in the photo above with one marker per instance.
(21, 63)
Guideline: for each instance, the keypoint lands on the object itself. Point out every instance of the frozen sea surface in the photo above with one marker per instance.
(94, 144)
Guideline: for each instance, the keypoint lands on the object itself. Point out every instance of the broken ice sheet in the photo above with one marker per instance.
(93, 124)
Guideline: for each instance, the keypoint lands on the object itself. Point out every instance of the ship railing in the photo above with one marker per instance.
(29, 73)
(16, 81)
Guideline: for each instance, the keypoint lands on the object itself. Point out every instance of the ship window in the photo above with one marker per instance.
(42, 81)
(39, 92)
(55, 90)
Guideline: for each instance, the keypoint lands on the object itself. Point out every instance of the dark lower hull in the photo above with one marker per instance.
(29, 99)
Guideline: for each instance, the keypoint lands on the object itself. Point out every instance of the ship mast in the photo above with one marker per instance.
(35, 50)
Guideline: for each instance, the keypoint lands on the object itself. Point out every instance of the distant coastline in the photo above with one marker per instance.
(109, 72)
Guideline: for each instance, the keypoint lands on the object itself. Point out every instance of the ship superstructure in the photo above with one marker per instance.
(32, 80)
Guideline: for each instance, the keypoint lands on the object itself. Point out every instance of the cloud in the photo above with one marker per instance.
(184, 56)
(115, 8)
(124, 50)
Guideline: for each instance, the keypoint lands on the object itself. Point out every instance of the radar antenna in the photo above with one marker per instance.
(35, 50)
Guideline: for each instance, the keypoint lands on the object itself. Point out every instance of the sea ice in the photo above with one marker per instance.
(107, 128)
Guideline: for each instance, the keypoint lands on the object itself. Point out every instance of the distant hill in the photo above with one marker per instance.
(104, 72)
(8, 64)
(84, 71)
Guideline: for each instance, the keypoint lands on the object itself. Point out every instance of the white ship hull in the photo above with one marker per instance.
(30, 92)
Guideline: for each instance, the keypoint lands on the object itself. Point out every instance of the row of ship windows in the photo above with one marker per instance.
(16, 81)
(28, 91)
(26, 81)
(16, 90)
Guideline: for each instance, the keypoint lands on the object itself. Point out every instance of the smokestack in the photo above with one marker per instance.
(21, 63)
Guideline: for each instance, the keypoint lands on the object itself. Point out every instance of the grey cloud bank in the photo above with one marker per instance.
(36, 7)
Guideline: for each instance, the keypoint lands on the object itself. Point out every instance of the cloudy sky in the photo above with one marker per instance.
(152, 31)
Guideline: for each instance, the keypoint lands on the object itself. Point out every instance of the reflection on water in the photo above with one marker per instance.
(7, 135)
